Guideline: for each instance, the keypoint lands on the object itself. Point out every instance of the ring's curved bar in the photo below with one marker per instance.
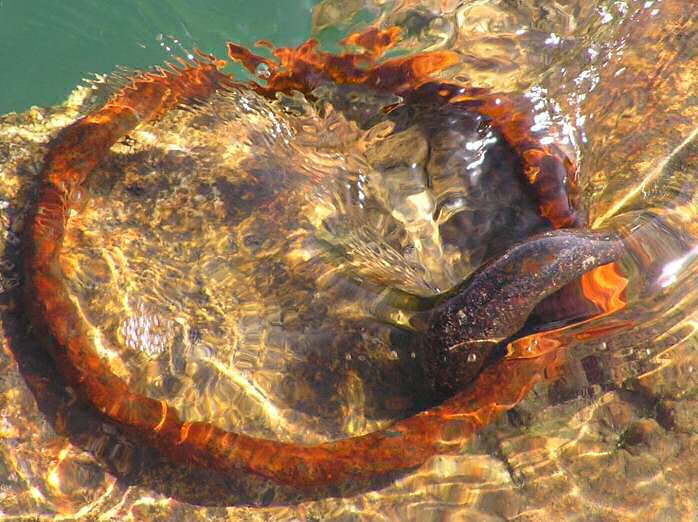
(550, 172)
(495, 301)
(72, 155)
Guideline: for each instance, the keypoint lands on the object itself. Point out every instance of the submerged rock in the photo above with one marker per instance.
(613, 432)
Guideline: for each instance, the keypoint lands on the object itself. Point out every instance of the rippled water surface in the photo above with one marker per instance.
(259, 265)
(48, 47)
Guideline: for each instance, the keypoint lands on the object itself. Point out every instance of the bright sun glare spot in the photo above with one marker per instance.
(671, 270)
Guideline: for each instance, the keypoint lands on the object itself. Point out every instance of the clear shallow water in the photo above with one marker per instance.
(47, 48)
(202, 310)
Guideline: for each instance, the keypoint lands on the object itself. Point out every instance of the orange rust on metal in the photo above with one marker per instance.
(374, 41)
(597, 332)
(605, 287)
(79, 148)
(549, 171)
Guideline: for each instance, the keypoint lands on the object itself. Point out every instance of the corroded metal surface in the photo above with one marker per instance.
(612, 435)
(79, 148)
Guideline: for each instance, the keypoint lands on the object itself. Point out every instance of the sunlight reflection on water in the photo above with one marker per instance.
(252, 323)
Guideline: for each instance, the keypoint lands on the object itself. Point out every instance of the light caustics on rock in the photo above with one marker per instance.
(513, 284)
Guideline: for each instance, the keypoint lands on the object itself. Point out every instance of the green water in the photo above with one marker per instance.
(48, 46)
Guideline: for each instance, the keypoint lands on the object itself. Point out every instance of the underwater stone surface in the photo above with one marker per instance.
(626, 452)
(616, 439)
